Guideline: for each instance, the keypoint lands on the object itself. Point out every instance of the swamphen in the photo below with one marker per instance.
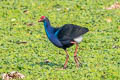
(64, 37)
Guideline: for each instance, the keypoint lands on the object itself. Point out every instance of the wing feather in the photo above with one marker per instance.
(70, 31)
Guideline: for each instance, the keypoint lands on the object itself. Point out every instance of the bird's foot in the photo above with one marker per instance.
(65, 66)
(77, 61)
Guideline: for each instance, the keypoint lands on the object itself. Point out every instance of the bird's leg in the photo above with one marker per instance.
(75, 54)
(67, 57)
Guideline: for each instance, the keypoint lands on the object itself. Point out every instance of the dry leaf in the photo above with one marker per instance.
(30, 24)
(13, 19)
(12, 75)
(58, 9)
(109, 20)
(46, 61)
(26, 11)
(114, 6)
(5, 77)
(119, 27)
(116, 46)
(22, 42)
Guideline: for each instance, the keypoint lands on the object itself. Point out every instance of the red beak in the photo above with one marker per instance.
(40, 20)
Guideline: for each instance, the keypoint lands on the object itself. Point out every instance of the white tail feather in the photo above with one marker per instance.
(78, 39)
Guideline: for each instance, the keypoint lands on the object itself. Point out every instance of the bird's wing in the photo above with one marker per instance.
(55, 29)
(70, 31)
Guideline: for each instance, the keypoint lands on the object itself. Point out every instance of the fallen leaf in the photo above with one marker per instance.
(109, 20)
(119, 27)
(12, 75)
(46, 61)
(30, 24)
(60, 69)
(15, 74)
(58, 9)
(5, 77)
(13, 19)
(116, 46)
(114, 6)
(26, 11)
(22, 42)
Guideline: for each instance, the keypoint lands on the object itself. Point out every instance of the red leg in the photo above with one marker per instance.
(67, 57)
(75, 54)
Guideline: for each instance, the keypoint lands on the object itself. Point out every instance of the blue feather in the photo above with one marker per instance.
(56, 33)
(50, 33)
(45, 25)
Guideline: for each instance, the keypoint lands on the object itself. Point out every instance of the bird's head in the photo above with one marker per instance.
(42, 19)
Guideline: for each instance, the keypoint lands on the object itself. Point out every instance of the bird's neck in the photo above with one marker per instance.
(47, 24)
(50, 33)
(48, 28)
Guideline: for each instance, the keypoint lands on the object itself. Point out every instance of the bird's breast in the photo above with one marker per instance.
(54, 39)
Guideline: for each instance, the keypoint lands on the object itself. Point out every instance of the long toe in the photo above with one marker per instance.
(76, 61)
(64, 67)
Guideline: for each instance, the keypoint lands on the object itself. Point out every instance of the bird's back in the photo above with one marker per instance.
(70, 32)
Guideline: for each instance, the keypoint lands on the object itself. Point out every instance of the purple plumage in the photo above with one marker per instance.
(65, 36)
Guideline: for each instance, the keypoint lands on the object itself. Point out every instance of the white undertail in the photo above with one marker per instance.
(78, 39)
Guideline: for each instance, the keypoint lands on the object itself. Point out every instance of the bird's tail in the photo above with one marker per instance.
(84, 30)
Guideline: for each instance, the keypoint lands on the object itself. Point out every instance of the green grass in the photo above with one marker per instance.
(99, 52)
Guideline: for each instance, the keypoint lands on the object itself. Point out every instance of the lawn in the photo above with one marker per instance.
(24, 46)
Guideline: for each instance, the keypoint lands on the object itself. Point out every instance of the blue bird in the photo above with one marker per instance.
(64, 37)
